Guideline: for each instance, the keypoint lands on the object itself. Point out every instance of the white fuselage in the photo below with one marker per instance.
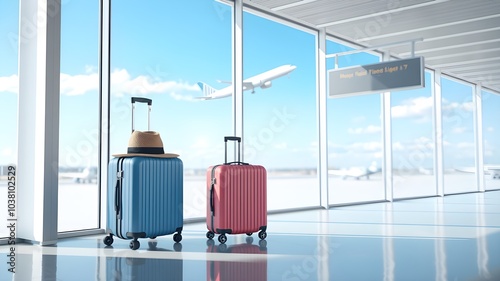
(262, 80)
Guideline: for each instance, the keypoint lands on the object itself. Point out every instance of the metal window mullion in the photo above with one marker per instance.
(438, 134)
(387, 140)
(237, 27)
(478, 135)
(322, 120)
(104, 100)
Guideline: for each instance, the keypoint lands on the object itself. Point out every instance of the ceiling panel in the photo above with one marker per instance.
(460, 37)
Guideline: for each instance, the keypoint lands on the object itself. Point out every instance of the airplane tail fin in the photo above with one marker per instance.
(206, 89)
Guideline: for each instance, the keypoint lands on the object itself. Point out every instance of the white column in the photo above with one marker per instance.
(387, 140)
(38, 120)
(322, 120)
(438, 134)
(104, 89)
(238, 72)
(478, 137)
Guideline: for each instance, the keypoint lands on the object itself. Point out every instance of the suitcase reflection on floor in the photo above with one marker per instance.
(246, 261)
(132, 269)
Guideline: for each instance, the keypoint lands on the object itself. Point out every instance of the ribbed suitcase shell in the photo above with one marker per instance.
(239, 199)
(152, 196)
(250, 270)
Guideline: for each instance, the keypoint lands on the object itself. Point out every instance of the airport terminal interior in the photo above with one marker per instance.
(376, 123)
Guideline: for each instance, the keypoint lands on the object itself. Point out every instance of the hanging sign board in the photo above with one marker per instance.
(395, 75)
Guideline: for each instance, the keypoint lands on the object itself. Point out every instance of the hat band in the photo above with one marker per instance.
(146, 150)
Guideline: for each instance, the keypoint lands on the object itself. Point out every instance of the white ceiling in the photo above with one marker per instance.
(459, 37)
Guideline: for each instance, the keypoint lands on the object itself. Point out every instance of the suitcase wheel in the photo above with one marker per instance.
(262, 235)
(134, 244)
(108, 240)
(210, 235)
(177, 237)
(222, 238)
(249, 233)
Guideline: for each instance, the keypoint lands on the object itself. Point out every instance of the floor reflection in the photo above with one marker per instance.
(452, 238)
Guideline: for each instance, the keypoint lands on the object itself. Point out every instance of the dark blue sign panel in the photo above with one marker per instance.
(379, 77)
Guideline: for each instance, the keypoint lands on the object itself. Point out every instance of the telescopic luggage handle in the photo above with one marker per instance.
(142, 100)
(238, 139)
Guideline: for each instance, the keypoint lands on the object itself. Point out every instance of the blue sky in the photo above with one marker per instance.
(164, 54)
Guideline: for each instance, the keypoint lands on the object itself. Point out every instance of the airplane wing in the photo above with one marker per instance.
(339, 173)
(353, 172)
(493, 171)
(490, 170)
(87, 175)
(356, 172)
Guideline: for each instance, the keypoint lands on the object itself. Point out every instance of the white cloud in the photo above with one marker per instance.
(459, 130)
(418, 107)
(365, 147)
(398, 146)
(423, 140)
(9, 84)
(201, 143)
(354, 148)
(466, 145)
(121, 83)
(490, 129)
(367, 130)
(79, 84)
(90, 69)
(177, 96)
(456, 108)
(332, 145)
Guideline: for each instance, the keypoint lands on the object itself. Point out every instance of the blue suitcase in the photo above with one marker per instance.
(145, 197)
(147, 201)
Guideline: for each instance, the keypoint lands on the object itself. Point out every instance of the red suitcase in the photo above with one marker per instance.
(236, 198)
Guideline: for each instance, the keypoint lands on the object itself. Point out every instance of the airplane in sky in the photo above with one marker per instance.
(262, 80)
(88, 174)
(356, 172)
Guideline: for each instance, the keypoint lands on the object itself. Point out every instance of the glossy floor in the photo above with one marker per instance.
(452, 238)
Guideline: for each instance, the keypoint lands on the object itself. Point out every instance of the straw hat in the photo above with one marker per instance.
(146, 144)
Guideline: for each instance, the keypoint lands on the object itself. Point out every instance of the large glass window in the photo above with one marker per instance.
(413, 142)
(169, 52)
(9, 37)
(355, 148)
(279, 120)
(491, 139)
(458, 137)
(79, 117)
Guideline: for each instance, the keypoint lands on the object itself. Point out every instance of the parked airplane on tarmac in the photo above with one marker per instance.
(489, 170)
(262, 80)
(89, 174)
(356, 172)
